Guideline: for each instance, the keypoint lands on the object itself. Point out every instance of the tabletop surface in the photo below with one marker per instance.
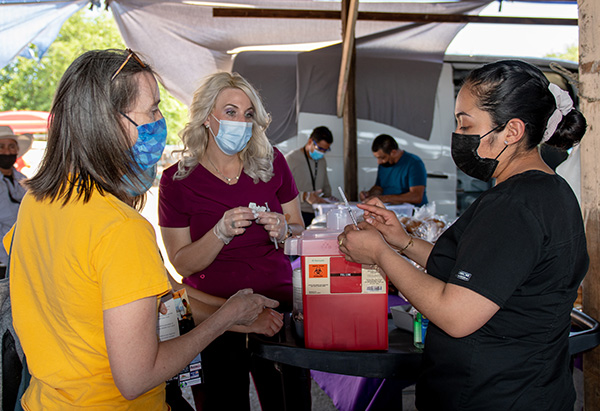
(401, 360)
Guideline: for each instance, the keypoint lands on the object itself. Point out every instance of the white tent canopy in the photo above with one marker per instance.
(184, 43)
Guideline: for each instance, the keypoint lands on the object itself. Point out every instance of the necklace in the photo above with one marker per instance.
(229, 180)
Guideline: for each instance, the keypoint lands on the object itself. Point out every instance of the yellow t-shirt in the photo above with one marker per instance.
(68, 264)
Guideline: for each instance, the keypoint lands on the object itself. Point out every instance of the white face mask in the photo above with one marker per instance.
(233, 136)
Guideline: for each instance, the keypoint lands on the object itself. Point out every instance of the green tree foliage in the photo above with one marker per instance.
(572, 54)
(27, 84)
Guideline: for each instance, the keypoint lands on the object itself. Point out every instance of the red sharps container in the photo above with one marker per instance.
(345, 304)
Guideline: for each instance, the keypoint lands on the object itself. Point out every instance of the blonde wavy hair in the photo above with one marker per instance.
(257, 156)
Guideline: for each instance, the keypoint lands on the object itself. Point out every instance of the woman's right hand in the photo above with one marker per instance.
(386, 222)
(233, 222)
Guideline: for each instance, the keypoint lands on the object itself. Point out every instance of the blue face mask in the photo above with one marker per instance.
(147, 150)
(141, 184)
(233, 136)
(316, 155)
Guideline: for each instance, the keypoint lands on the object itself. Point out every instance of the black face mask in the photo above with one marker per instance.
(464, 153)
(7, 161)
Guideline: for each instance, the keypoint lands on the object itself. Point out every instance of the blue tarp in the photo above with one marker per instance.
(22, 23)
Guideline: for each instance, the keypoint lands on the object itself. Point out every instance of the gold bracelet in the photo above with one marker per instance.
(407, 245)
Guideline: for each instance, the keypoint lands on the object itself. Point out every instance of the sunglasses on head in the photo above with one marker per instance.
(131, 54)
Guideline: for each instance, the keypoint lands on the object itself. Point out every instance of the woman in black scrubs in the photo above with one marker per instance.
(501, 281)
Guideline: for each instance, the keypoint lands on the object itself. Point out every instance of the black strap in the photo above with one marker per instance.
(12, 199)
(12, 240)
(310, 170)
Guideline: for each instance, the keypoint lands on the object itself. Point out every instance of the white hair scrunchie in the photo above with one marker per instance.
(564, 105)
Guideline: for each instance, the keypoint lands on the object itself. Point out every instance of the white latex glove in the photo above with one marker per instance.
(233, 222)
(220, 230)
(274, 224)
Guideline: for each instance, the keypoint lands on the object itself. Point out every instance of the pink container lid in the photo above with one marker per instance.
(319, 241)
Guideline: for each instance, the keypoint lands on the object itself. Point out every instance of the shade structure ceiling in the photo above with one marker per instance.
(184, 43)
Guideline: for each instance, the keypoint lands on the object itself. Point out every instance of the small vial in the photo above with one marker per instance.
(420, 324)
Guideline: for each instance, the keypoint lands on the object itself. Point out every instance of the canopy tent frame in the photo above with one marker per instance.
(391, 16)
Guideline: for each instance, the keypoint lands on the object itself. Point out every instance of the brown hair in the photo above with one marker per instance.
(88, 147)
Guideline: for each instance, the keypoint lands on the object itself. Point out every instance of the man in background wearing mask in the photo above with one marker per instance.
(401, 176)
(11, 189)
(309, 168)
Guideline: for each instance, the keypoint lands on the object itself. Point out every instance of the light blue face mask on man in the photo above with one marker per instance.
(233, 136)
(316, 155)
(147, 150)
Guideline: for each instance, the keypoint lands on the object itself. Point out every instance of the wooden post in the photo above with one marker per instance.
(349, 116)
(589, 89)
(347, 53)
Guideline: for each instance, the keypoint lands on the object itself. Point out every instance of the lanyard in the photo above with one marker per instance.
(310, 170)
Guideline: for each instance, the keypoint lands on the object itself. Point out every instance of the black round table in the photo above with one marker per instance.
(401, 360)
(399, 364)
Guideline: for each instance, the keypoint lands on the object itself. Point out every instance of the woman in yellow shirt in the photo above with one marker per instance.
(86, 273)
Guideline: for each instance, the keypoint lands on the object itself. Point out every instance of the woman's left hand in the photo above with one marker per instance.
(274, 223)
(361, 246)
(268, 323)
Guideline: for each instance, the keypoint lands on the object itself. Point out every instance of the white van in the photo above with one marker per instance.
(450, 189)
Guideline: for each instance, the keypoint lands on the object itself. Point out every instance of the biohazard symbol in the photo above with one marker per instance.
(317, 271)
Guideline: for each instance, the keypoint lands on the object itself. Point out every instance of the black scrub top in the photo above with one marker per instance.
(522, 245)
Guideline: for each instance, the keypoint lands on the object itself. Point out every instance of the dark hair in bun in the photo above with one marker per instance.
(569, 132)
(510, 89)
